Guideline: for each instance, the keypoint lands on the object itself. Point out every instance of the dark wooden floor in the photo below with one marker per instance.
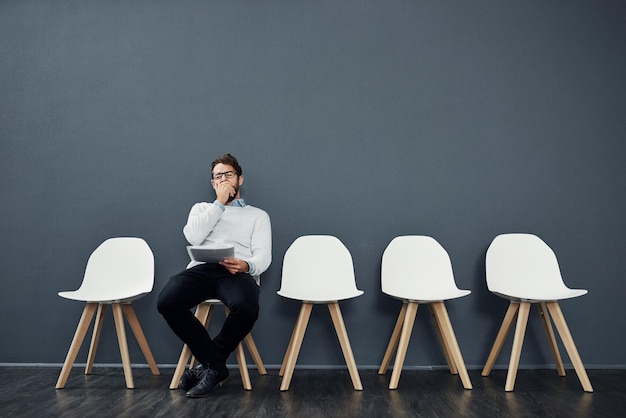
(28, 392)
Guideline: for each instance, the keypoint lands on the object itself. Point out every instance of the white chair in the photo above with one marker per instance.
(417, 270)
(524, 269)
(118, 272)
(318, 269)
(204, 312)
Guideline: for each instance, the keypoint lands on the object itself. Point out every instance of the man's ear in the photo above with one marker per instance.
(240, 180)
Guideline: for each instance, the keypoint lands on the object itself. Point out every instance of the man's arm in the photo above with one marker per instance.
(261, 246)
(202, 219)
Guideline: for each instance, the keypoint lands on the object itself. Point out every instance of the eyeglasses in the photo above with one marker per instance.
(228, 174)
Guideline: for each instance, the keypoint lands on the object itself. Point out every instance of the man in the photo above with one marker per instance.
(224, 222)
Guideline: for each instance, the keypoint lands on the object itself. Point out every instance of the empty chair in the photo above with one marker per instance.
(524, 269)
(318, 269)
(417, 270)
(204, 311)
(118, 272)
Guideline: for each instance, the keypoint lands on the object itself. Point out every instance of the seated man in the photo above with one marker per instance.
(227, 221)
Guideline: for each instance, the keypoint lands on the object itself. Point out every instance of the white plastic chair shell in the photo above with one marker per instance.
(524, 267)
(318, 269)
(418, 268)
(120, 269)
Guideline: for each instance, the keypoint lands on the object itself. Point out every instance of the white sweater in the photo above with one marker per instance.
(247, 228)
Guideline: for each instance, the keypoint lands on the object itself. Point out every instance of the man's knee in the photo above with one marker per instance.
(166, 301)
(170, 296)
(248, 311)
(163, 303)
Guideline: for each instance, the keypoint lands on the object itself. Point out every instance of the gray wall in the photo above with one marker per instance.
(361, 119)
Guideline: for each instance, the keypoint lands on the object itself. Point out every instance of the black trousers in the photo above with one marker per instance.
(239, 292)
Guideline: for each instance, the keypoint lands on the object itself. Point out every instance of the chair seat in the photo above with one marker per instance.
(435, 295)
(542, 295)
(322, 297)
(103, 296)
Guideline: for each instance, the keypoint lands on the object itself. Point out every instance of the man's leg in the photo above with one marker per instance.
(240, 294)
(184, 291)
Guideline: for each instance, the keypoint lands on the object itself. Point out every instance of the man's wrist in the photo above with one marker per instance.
(219, 205)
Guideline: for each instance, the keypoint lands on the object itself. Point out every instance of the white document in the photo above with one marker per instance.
(210, 255)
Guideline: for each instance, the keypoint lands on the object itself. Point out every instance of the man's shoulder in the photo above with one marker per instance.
(202, 205)
(254, 209)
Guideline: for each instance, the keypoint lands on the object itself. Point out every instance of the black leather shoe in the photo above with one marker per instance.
(211, 379)
(191, 377)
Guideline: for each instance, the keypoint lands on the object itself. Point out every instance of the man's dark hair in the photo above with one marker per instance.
(227, 159)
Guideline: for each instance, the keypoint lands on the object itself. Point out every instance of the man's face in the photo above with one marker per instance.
(225, 173)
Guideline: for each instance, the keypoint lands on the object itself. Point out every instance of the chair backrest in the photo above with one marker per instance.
(522, 264)
(318, 268)
(119, 268)
(418, 267)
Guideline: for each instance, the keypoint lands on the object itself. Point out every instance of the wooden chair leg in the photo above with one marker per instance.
(547, 327)
(570, 347)
(442, 318)
(254, 353)
(393, 341)
(241, 358)
(518, 341)
(505, 328)
(140, 337)
(243, 367)
(95, 338)
(79, 336)
(447, 350)
(342, 333)
(294, 347)
(118, 316)
(203, 313)
(405, 337)
(180, 367)
(283, 365)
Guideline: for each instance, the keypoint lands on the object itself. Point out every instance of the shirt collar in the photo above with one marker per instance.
(238, 203)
